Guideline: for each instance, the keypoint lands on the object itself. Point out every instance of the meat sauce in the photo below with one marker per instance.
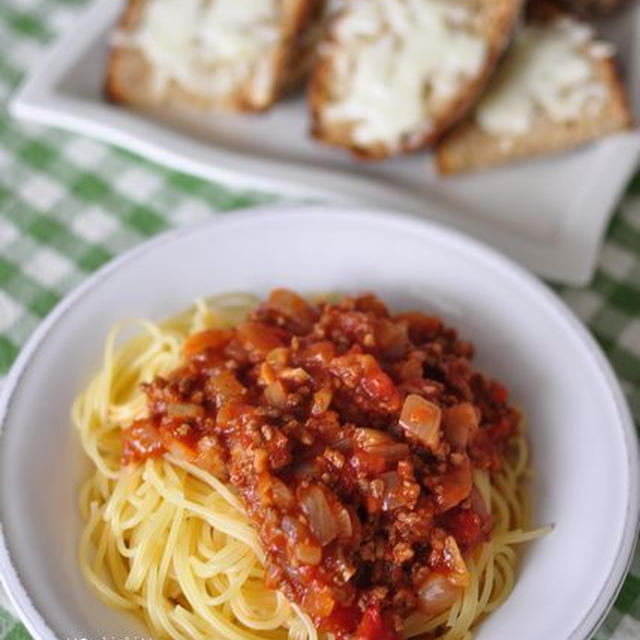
(351, 435)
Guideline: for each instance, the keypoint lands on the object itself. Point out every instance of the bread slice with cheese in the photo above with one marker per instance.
(557, 89)
(236, 55)
(393, 75)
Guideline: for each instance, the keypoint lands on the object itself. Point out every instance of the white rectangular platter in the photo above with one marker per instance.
(549, 214)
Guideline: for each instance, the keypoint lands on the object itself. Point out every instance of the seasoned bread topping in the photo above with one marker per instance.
(212, 47)
(398, 61)
(550, 70)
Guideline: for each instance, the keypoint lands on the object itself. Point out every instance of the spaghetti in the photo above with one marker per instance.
(168, 540)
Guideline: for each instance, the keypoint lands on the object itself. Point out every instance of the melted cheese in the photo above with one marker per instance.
(396, 61)
(550, 70)
(210, 46)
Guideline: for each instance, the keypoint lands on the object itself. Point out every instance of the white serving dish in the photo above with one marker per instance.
(549, 214)
(582, 436)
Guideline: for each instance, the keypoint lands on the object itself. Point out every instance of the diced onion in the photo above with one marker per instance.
(308, 553)
(436, 594)
(345, 525)
(390, 499)
(381, 444)
(293, 307)
(209, 339)
(319, 353)
(276, 395)
(421, 419)
(455, 485)
(184, 410)
(322, 521)
(282, 496)
(368, 438)
(267, 374)
(258, 339)
(224, 387)
(479, 505)
(460, 422)
(321, 400)
(391, 452)
(459, 574)
(278, 357)
(296, 374)
(209, 457)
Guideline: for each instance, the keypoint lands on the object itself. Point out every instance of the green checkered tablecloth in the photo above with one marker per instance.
(69, 204)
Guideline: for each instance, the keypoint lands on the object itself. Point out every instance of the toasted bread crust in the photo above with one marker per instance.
(114, 88)
(593, 7)
(499, 17)
(305, 48)
(469, 148)
(129, 75)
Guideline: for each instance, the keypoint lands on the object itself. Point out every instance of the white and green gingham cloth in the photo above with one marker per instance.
(69, 204)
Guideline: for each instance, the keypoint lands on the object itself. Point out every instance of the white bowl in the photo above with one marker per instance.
(583, 440)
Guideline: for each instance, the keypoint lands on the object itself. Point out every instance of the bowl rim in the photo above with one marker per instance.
(539, 291)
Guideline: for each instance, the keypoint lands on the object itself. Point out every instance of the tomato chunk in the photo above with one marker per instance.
(374, 627)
